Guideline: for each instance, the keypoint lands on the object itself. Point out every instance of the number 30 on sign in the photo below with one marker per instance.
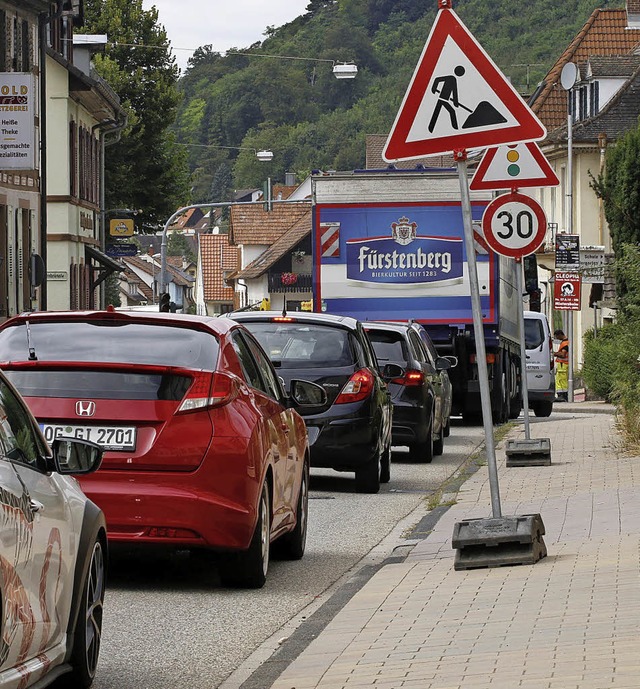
(514, 225)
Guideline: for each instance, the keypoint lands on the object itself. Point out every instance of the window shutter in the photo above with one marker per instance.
(3, 41)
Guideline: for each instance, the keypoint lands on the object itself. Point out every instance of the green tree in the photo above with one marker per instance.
(112, 290)
(146, 169)
(619, 188)
(178, 245)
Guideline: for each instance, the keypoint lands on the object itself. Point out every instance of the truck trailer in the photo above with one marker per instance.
(389, 245)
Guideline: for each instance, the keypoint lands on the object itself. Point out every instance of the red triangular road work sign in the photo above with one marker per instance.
(513, 167)
(458, 99)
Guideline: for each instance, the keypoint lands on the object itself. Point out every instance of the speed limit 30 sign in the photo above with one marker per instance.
(514, 225)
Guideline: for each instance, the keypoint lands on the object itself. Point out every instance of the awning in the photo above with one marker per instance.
(106, 267)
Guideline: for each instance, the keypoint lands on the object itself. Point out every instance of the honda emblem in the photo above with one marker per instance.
(85, 408)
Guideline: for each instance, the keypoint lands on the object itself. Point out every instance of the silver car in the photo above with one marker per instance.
(53, 553)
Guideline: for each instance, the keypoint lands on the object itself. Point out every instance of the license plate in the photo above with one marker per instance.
(118, 438)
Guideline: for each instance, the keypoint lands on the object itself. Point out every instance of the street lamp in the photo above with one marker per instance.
(568, 78)
(341, 70)
(344, 70)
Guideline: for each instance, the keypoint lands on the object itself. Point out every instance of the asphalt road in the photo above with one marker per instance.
(168, 623)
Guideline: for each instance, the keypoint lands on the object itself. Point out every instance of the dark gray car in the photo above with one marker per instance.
(352, 431)
(422, 395)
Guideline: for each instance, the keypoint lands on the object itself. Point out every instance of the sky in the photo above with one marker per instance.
(221, 23)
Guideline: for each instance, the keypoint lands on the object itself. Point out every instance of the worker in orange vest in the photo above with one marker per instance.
(562, 367)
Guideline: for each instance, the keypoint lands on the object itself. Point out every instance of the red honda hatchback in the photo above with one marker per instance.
(203, 450)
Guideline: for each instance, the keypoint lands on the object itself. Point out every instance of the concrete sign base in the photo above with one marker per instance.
(498, 542)
(534, 452)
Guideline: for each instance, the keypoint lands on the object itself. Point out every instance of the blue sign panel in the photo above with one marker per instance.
(404, 261)
(124, 249)
(380, 261)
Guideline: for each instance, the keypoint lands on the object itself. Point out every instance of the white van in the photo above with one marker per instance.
(540, 363)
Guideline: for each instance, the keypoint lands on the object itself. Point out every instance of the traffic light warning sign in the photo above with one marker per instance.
(512, 167)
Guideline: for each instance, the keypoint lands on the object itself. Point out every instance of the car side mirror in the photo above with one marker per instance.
(307, 394)
(71, 456)
(391, 371)
(443, 363)
(452, 359)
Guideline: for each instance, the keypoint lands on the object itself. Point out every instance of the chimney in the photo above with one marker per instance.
(633, 14)
(290, 177)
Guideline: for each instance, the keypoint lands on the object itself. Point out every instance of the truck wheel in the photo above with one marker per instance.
(543, 408)
(368, 477)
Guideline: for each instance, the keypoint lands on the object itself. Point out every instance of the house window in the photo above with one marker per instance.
(73, 158)
(3, 41)
(594, 94)
(582, 111)
(25, 48)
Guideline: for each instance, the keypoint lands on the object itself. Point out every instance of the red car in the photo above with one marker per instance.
(203, 450)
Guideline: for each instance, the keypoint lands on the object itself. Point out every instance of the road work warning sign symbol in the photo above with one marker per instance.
(458, 98)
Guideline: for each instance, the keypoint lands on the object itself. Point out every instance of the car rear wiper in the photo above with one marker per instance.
(32, 351)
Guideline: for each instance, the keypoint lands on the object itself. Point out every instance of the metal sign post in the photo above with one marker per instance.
(478, 328)
(422, 127)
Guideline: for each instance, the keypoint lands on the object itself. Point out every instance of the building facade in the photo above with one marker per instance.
(20, 136)
(81, 111)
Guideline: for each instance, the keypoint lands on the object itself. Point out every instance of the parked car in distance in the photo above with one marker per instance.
(352, 431)
(203, 450)
(422, 394)
(53, 554)
(541, 382)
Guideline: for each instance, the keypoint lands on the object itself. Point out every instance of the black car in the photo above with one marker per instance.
(352, 431)
(422, 395)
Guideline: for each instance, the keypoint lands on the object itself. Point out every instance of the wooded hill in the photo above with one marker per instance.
(309, 119)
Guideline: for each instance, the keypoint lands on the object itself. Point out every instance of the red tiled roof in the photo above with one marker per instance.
(279, 248)
(144, 291)
(152, 269)
(253, 225)
(218, 257)
(282, 191)
(605, 33)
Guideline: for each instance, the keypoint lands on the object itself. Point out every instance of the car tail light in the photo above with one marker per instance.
(551, 357)
(491, 359)
(209, 390)
(283, 319)
(358, 387)
(410, 379)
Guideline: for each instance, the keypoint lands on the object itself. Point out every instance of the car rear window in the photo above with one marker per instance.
(388, 346)
(533, 333)
(111, 342)
(294, 345)
(107, 385)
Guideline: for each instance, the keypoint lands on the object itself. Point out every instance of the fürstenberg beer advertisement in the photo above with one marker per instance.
(17, 126)
(411, 258)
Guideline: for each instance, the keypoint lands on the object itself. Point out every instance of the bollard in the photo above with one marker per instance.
(498, 541)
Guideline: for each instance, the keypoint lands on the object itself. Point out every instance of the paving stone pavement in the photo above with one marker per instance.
(570, 621)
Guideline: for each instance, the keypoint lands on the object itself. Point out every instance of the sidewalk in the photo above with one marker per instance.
(570, 621)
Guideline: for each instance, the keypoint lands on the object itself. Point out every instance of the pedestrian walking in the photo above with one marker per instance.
(562, 367)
